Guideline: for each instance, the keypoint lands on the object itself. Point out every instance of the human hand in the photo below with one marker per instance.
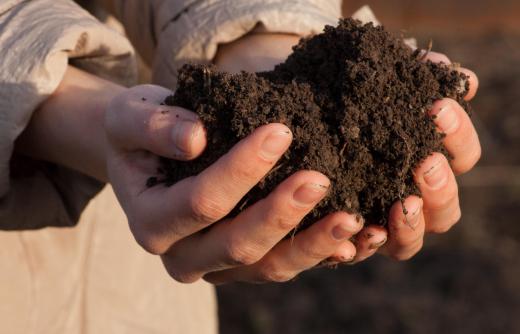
(183, 223)
(438, 209)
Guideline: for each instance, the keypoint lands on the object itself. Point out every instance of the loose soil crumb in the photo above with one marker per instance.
(355, 98)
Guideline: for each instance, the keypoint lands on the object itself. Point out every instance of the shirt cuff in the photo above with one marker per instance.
(194, 34)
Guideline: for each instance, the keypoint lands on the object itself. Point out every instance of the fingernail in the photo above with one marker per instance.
(341, 232)
(376, 245)
(446, 119)
(347, 258)
(275, 144)
(309, 193)
(412, 217)
(436, 176)
(183, 133)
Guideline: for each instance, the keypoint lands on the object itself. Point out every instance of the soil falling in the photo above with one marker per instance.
(356, 99)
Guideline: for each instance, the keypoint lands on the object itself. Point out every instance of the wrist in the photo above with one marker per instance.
(255, 52)
(68, 127)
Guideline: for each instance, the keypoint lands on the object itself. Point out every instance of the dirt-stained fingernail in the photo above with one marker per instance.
(446, 118)
(360, 220)
(275, 144)
(183, 133)
(437, 176)
(309, 193)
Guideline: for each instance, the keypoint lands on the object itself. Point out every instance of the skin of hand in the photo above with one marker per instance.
(117, 135)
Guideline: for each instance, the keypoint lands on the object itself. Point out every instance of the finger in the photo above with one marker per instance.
(368, 241)
(436, 57)
(438, 186)
(308, 248)
(170, 214)
(405, 229)
(248, 237)
(473, 83)
(138, 121)
(461, 137)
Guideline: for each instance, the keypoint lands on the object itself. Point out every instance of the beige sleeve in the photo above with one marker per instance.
(169, 33)
(37, 41)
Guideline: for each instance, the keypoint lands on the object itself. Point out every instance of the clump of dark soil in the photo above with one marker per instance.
(356, 99)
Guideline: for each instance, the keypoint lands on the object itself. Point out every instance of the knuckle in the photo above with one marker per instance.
(147, 241)
(448, 223)
(282, 223)
(309, 250)
(446, 199)
(150, 244)
(238, 253)
(244, 174)
(407, 254)
(281, 216)
(271, 273)
(206, 210)
(180, 276)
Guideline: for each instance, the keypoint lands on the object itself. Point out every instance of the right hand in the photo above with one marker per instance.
(183, 223)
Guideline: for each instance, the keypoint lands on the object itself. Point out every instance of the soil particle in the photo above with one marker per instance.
(356, 99)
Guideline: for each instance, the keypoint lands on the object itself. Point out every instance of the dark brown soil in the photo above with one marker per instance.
(465, 281)
(356, 100)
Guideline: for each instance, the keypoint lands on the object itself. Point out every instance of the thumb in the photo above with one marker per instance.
(137, 120)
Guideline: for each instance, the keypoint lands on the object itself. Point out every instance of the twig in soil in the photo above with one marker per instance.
(293, 234)
(403, 173)
(207, 79)
(243, 204)
(425, 54)
(342, 149)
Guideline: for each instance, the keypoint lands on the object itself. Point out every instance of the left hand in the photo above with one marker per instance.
(438, 209)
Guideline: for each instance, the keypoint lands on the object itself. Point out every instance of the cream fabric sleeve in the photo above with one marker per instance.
(37, 40)
(169, 33)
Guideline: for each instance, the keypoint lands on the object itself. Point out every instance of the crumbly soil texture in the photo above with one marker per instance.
(356, 99)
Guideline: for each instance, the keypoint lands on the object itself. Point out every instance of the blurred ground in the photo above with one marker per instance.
(466, 281)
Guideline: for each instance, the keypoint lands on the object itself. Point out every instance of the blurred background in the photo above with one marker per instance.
(466, 281)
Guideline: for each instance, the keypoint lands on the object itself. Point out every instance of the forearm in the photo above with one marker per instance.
(67, 129)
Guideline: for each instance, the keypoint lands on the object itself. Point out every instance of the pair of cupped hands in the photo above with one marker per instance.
(184, 224)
